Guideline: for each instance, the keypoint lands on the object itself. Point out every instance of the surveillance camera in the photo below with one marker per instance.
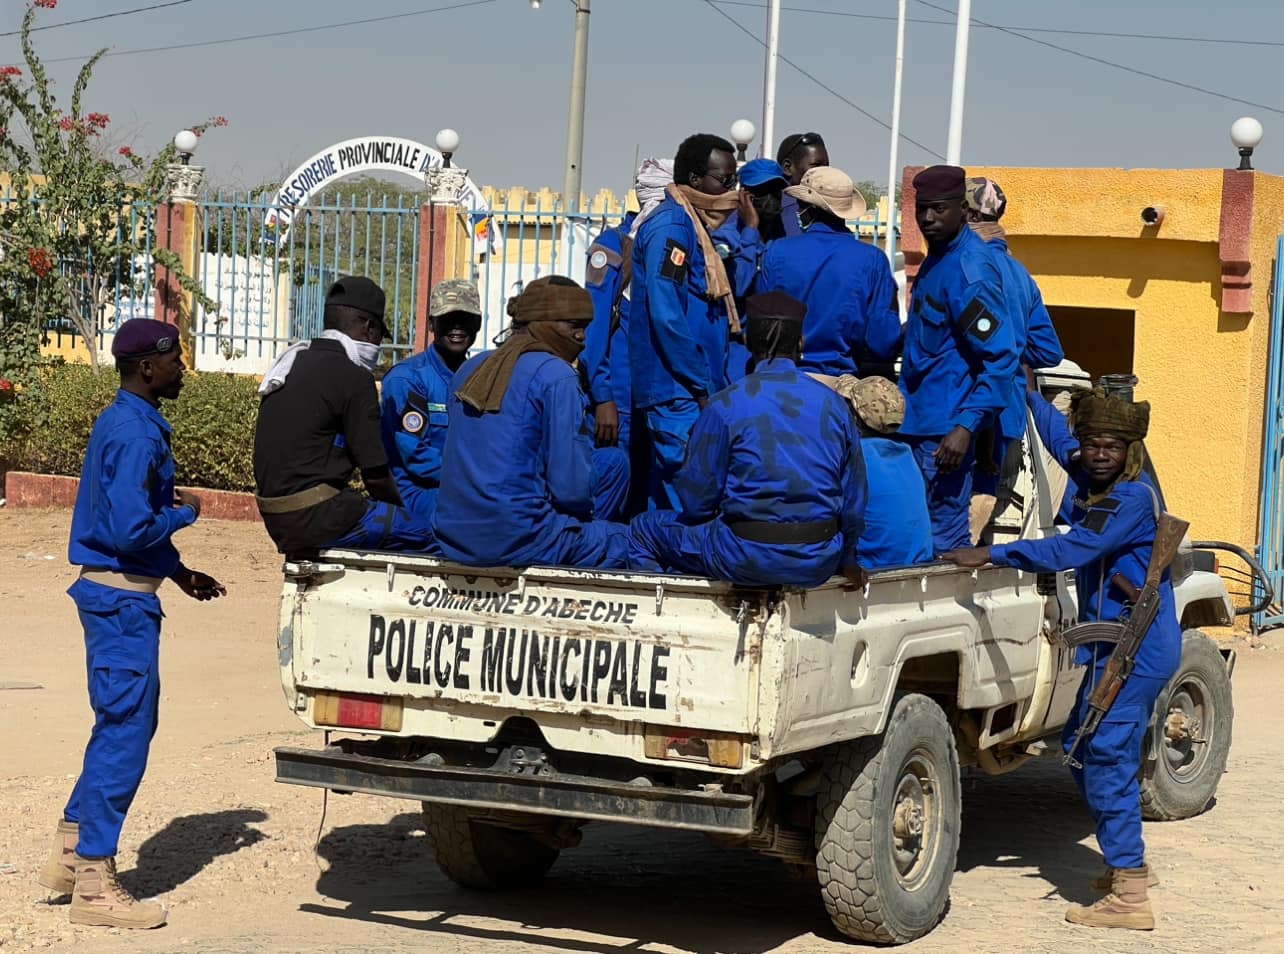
(1152, 215)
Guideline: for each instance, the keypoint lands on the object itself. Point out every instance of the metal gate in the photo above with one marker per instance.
(1270, 549)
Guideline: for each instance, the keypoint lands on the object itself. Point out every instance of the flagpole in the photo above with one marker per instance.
(889, 239)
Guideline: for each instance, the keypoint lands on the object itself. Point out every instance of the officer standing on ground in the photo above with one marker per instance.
(318, 422)
(846, 284)
(960, 360)
(682, 307)
(415, 391)
(773, 489)
(1113, 531)
(127, 511)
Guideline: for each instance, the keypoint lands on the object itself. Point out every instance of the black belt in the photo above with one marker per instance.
(765, 531)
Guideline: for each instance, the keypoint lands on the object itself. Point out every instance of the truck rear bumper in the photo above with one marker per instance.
(490, 790)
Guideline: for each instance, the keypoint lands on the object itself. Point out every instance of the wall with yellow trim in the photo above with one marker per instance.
(1079, 231)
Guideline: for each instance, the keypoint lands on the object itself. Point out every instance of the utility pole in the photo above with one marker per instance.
(575, 128)
(954, 145)
(766, 143)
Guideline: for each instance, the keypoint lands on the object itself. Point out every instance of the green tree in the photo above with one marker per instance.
(64, 230)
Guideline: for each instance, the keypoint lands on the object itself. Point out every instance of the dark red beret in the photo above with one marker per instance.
(140, 337)
(777, 305)
(940, 182)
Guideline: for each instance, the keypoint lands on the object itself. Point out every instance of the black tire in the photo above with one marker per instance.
(1182, 779)
(877, 886)
(474, 855)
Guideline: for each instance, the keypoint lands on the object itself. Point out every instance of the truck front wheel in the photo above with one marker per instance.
(1187, 745)
(887, 826)
(476, 855)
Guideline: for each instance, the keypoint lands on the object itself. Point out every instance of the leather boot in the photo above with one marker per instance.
(59, 872)
(99, 899)
(1126, 906)
(1104, 882)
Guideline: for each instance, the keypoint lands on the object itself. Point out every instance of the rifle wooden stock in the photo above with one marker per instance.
(1169, 533)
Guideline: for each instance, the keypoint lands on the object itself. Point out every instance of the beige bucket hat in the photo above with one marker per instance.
(830, 189)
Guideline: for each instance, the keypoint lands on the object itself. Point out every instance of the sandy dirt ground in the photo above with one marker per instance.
(232, 852)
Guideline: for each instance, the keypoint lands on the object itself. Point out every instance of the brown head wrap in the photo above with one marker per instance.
(541, 301)
(1093, 413)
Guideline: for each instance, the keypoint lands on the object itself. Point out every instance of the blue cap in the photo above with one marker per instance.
(140, 337)
(758, 172)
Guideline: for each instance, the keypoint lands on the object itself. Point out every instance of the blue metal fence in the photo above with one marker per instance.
(1270, 549)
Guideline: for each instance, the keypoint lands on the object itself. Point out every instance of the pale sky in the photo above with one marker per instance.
(499, 73)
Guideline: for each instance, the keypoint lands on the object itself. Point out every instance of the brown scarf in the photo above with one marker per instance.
(988, 230)
(707, 213)
(540, 302)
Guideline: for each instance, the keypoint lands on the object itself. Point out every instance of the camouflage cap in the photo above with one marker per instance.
(984, 196)
(877, 401)
(454, 294)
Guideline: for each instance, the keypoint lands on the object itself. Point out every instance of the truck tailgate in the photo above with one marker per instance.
(623, 647)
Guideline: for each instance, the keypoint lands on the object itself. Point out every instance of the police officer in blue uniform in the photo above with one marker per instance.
(797, 153)
(606, 344)
(415, 391)
(1112, 531)
(681, 306)
(523, 484)
(319, 421)
(773, 489)
(960, 359)
(127, 512)
(846, 284)
(742, 241)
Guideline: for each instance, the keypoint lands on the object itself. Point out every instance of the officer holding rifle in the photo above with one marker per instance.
(1114, 526)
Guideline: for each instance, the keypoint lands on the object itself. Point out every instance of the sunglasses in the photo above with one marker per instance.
(805, 140)
(728, 181)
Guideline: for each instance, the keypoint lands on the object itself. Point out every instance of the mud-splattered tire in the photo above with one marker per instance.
(474, 855)
(1182, 778)
(887, 826)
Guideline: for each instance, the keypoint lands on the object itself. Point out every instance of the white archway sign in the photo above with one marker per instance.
(360, 156)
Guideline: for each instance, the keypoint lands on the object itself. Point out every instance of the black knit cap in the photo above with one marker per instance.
(775, 305)
(940, 182)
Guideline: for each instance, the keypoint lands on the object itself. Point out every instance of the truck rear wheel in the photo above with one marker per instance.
(1191, 736)
(476, 855)
(887, 826)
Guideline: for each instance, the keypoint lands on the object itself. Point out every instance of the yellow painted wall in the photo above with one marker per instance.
(1079, 232)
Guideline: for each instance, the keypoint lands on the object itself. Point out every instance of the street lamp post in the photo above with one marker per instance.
(954, 143)
(575, 125)
(182, 179)
(742, 134)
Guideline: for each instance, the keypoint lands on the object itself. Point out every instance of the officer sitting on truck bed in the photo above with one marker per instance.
(773, 488)
(1113, 531)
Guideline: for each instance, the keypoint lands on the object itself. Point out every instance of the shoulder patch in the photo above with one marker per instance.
(676, 262)
(978, 321)
(412, 422)
(601, 259)
(1102, 512)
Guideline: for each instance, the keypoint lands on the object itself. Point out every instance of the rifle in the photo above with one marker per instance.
(1127, 635)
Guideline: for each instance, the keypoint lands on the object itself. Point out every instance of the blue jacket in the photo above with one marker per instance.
(677, 337)
(1115, 535)
(960, 363)
(777, 447)
(789, 215)
(413, 423)
(1038, 341)
(516, 478)
(125, 514)
(606, 355)
(849, 292)
(741, 250)
(898, 528)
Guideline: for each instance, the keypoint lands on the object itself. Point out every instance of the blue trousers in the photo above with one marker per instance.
(385, 527)
(611, 486)
(669, 426)
(122, 644)
(420, 500)
(1111, 759)
(949, 496)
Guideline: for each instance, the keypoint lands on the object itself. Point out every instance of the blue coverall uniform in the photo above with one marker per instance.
(1114, 535)
(959, 368)
(523, 482)
(776, 450)
(677, 340)
(123, 522)
(413, 422)
(898, 529)
(606, 353)
(741, 251)
(847, 286)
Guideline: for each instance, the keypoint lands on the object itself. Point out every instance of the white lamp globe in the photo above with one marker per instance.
(1246, 132)
(185, 142)
(447, 140)
(742, 132)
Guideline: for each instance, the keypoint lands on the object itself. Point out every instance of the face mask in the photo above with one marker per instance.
(768, 206)
(367, 355)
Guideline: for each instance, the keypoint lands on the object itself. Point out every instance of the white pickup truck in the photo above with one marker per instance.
(825, 727)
